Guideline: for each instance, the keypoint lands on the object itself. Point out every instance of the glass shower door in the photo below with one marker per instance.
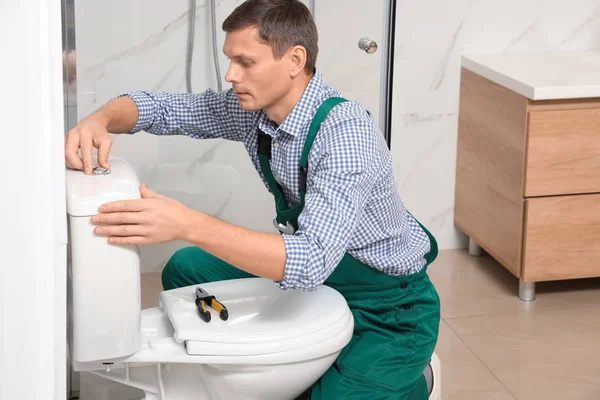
(354, 51)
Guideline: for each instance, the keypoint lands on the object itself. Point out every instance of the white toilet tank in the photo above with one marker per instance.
(106, 295)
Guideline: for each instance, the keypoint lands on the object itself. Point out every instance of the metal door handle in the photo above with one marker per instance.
(368, 45)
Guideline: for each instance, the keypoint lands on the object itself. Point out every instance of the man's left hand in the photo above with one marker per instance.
(152, 219)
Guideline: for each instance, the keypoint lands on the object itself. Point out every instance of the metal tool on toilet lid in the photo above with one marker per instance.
(203, 299)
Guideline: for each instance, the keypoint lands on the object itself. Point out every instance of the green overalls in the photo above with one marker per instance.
(396, 319)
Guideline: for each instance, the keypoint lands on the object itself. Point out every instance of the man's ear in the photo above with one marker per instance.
(297, 56)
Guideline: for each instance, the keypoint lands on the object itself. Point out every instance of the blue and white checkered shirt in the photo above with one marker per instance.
(351, 204)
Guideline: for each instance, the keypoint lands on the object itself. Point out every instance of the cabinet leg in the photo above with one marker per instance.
(474, 248)
(526, 290)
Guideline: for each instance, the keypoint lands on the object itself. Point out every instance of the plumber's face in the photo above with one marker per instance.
(258, 79)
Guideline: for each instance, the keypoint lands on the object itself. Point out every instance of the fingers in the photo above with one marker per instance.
(124, 234)
(145, 192)
(119, 218)
(86, 151)
(121, 230)
(103, 149)
(72, 158)
(88, 134)
(149, 194)
(123, 206)
(130, 240)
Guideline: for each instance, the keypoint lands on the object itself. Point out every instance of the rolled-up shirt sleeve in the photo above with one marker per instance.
(341, 175)
(198, 115)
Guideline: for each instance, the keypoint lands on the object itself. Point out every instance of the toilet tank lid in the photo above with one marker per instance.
(86, 193)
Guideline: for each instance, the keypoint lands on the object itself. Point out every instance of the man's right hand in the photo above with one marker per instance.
(89, 133)
(117, 116)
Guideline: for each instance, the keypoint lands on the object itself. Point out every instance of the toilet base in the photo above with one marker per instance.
(218, 382)
(185, 381)
(163, 366)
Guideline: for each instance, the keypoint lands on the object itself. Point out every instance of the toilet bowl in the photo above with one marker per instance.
(274, 345)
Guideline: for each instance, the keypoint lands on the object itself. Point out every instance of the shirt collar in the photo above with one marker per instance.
(303, 111)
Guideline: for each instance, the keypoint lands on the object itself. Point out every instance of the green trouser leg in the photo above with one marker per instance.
(396, 321)
(193, 266)
(395, 325)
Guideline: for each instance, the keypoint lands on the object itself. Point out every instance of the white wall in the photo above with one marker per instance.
(431, 35)
(145, 48)
(33, 235)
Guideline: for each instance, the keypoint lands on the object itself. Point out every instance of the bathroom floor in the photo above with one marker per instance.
(491, 344)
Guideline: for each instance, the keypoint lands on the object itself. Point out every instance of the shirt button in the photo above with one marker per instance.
(276, 144)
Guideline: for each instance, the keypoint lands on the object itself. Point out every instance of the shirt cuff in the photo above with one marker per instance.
(145, 105)
(296, 248)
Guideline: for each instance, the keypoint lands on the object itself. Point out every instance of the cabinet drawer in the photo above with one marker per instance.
(562, 238)
(563, 152)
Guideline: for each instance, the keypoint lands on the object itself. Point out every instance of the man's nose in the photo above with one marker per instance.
(232, 76)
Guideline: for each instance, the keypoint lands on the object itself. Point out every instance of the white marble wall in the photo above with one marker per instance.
(141, 44)
(431, 35)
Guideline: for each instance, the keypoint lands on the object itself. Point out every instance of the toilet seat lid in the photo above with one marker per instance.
(262, 317)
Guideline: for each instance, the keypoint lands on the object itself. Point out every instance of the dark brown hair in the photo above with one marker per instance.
(281, 24)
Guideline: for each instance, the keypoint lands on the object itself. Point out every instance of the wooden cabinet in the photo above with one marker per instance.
(528, 180)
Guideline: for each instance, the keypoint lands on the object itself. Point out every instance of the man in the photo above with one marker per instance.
(342, 222)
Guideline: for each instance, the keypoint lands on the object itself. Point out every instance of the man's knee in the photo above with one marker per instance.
(182, 268)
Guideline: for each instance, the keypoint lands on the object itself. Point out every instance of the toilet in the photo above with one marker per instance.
(273, 346)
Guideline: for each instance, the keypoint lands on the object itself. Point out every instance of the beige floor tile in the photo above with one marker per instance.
(151, 288)
(470, 286)
(546, 354)
(464, 377)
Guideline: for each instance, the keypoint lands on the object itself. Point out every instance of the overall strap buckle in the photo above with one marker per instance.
(302, 177)
(264, 144)
(287, 229)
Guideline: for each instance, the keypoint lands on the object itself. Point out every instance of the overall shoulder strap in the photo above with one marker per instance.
(320, 116)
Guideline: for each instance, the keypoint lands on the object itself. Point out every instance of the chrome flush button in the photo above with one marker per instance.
(100, 171)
